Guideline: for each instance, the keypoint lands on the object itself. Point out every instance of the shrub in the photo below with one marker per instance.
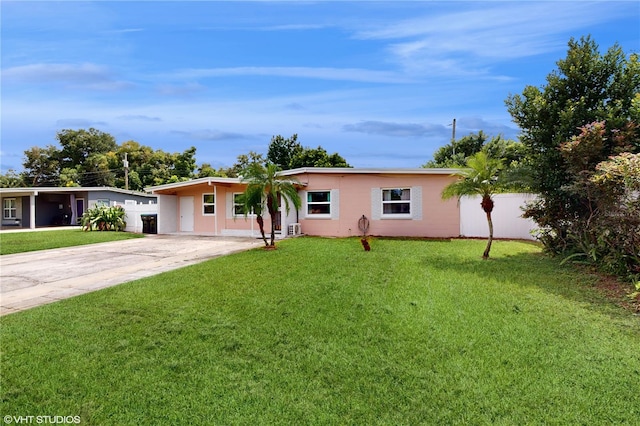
(103, 218)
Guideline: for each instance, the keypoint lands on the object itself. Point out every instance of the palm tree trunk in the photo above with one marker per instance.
(485, 255)
(487, 206)
(260, 221)
(272, 214)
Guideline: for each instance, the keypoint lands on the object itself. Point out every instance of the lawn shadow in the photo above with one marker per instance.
(535, 270)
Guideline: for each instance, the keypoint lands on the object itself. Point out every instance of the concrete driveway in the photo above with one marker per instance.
(37, 278)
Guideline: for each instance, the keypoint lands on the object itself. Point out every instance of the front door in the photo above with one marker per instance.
(278, 218)
(79, 208)
(186, 214)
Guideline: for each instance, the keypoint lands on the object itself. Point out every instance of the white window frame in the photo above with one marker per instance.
(10, 211)
(384, 202)
(206, 204)
(235, 204)
(324, 203)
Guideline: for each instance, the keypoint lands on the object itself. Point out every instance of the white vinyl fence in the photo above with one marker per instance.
(133, 211)
(507, 217)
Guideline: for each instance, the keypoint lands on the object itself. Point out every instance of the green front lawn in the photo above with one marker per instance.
(20, 242)
(321, 332)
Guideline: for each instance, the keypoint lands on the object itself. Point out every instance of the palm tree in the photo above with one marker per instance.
(482, 176)
(264, 186)
(253, 203)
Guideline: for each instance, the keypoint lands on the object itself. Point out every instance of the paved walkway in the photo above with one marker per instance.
(37, 278)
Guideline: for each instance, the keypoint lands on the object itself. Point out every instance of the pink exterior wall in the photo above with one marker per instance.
(223, 220)
(360, 194)
(353, 194)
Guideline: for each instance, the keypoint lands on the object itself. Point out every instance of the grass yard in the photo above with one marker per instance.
(321, 332)
(20, 242)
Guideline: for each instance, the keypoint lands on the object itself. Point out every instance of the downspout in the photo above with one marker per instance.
(215, 208)
(215, 212)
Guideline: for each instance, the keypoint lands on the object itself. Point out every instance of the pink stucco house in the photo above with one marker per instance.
(396, 202)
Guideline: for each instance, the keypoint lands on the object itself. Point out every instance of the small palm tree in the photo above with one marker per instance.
(482, 176)
(253, 204)
(265, 187)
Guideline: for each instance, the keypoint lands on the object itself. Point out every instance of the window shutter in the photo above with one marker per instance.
(416, 203)
(335, 204)
(303, 205)
(229, 204)
(376, 203)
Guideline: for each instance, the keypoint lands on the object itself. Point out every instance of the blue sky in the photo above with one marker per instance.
(378, 82)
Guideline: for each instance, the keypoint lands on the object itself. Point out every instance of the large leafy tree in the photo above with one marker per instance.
(288, 153)
(282, 150)
(587, 87)
(318, 157)
(149, 167)
(11, 179)
(484, 176)
(93, 158)
(244, 162)
(456, 153)
(79, 145)
(42, 166)
(266, 187)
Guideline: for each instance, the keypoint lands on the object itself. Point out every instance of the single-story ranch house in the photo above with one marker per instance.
(51, 206)
(395, 202)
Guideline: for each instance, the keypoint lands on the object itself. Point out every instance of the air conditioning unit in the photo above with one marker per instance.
(294, 229)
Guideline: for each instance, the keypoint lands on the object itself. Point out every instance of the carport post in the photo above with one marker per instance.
(32, 210)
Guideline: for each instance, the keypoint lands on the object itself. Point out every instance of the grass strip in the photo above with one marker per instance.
(21, 242)
(321, 332)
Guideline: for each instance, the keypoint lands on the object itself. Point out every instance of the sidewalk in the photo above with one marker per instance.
(37, 278)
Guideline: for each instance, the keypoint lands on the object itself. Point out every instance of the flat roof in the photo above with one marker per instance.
(198, 181)
(67, 189)
(304, 170)
(372, 171)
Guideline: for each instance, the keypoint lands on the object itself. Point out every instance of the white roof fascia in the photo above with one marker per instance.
(349, 170)
(207, 180)
(42, 189)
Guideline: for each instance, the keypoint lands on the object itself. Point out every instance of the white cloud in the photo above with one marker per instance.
(79, 122)
(209, 135)
(138, 117)
(470, 41)
(396, 129)
(322, 73)
(85, 75)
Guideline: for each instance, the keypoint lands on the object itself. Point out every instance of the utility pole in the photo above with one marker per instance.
(453, 137)
(125, 162)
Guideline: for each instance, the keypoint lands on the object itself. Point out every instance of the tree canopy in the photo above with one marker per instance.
(288, 153)
(586, 87)
(587, 112)
(456, 153)
(93, 158)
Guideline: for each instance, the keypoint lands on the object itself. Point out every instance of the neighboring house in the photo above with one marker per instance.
(396, 202)
(51, 206)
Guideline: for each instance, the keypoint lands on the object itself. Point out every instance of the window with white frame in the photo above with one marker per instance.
(319, 203)
(9, 208)
(208, 204)
(396, 202)
(238, 204)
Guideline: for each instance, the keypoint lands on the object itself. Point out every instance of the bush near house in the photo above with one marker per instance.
(103, 218)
